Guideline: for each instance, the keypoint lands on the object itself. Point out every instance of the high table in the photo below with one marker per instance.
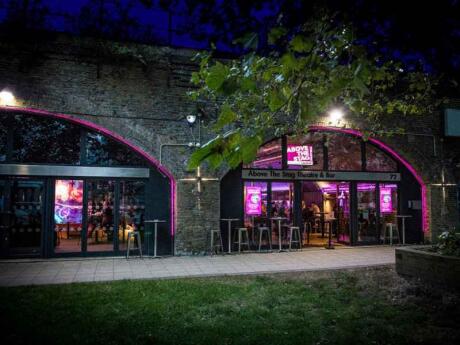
(154, 221)
(331, 223)
(322, 214)
(229, 221)
(279, 219)
(403, 218)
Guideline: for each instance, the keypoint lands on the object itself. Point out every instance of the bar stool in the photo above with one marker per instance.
(295, 230)
(214, 234)
(390, 227)
(240, 233)
(307, 228)
(262, 230)
(134, 235)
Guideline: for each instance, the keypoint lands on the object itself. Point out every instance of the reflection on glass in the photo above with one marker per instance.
(3, 137)
(367, 217)
(314, 140)
(255, 206)
(344, 153)
(101, 150)
(68, 212)
(377, 160)
(268, 156)
(282, 199)
(132, 211)
(33, 134)
(100, 215)
(24, 232)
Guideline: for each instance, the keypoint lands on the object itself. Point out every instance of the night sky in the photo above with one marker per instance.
(420, 33)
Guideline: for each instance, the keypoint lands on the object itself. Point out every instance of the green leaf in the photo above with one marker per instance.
(201, 154)
(249, 147)
(216, 76)
(275, 101)
(226, 116)
(275, 34)
(247, 84)
(301, 44)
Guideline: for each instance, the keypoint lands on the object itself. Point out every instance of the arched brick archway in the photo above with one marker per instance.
(384, 147)
(95, 127)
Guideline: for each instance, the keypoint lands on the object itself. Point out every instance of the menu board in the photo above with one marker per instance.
(299, 154)
(253, 201)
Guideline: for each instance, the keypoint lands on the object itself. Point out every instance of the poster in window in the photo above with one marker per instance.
(253, 202)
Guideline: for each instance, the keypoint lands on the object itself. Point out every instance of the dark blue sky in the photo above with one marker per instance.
(422, 32)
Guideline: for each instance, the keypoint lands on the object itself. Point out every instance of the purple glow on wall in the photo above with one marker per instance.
(253, 201)
(112, 135)
(393, 153)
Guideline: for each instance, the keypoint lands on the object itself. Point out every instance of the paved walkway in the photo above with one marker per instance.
(59, 271)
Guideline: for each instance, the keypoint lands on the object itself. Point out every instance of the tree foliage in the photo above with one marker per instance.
(307, 71)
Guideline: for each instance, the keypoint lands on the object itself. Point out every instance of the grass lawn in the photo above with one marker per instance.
(358, 307)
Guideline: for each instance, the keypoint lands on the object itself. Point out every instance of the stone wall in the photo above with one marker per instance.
(139, 92)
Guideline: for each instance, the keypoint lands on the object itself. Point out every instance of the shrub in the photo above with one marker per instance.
(449, 243)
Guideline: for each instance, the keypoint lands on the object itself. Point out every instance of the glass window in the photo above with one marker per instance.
(305, 152)
(100, 215)
(377, 160)
(132, 211)
(68, 214)
(41, 140)
(101, 150)
(344, 153)
(269, 156)
(282, 200)
(255, 203)
(24, 233)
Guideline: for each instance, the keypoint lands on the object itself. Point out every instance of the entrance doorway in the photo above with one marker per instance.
(325, 207)
(22, 216)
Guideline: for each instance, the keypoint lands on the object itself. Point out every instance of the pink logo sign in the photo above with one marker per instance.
(253, 202)
(299, 154)
(386, 204)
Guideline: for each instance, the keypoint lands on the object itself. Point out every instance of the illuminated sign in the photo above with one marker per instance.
(299, 154)
(68, 202)
(386, 204)
(253, 202)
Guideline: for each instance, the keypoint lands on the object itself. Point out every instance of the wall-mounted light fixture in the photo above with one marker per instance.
(336, 115)
(7, 98)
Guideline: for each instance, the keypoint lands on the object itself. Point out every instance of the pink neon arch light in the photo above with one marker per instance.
(394, 154)
(110, 134)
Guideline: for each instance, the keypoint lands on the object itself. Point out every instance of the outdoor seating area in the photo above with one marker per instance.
(318, 232)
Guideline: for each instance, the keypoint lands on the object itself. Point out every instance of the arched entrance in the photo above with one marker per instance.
(70, 187)
(328, 179)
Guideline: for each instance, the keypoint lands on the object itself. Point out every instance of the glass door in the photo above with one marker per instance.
(100, 229)
(21, 215)
(368, 231)
(68, 216)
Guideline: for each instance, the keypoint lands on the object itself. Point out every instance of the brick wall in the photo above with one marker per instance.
(139, 92)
